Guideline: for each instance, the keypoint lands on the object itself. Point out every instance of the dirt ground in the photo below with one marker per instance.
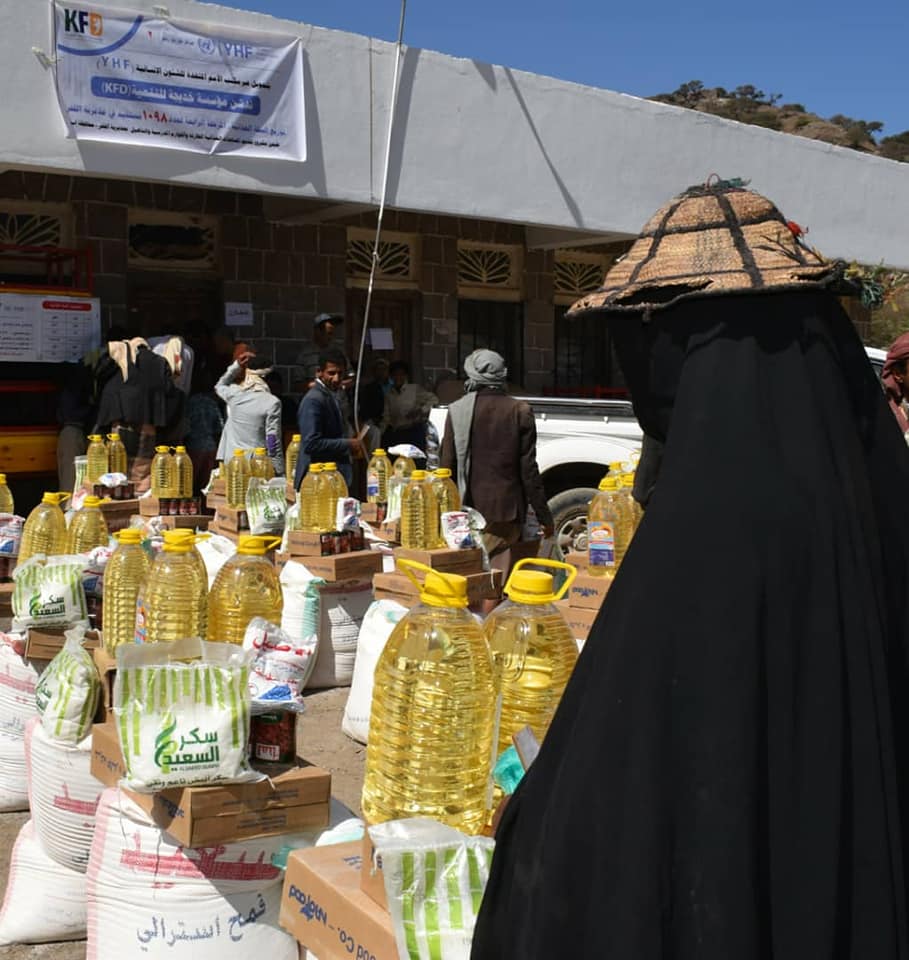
(325, 745)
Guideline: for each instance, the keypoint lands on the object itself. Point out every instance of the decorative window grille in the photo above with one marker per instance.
(399, 259)
(158, 238)
(577, 273)
(489, 271)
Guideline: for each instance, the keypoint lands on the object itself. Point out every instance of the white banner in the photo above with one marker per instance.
(48, 328)
(146, 81)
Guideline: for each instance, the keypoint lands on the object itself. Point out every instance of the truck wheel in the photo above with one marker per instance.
(569, 514)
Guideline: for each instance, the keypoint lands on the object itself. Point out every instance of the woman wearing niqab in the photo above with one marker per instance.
(725, 778)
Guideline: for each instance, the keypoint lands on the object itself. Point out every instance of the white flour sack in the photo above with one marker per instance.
(44, 902)
(18, 678)
(67, 693)
(182, 723)
(380, 619)
(13, 781)
(150, 898)
(62, 795)
(48, 593)
(300, 616)
(343, 606)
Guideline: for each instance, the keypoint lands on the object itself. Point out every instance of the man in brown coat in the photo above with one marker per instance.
(490, 446)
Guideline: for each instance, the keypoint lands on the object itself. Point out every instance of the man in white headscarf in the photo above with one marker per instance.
(490, 446)
(253, 412)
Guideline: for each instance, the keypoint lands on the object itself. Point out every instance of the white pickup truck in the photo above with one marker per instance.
(576, 442)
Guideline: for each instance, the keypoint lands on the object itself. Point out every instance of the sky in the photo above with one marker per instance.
(836, 57)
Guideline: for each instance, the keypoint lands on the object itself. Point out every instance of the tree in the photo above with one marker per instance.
(896, 147)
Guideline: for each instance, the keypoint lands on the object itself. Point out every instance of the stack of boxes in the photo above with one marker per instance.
(481, 584)
(585, 597)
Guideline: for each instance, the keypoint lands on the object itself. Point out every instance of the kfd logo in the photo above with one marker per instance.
(83, 21)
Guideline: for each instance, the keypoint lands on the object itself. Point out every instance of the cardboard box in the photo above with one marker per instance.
(372, 879)
(373, 513)
(480, 586)
(215, 527)
(323, 907)
(290, 495)
(390, 531)
(588, 592)
(577, 559)
(580, 619)
(361, 565)
(214, 500)
(195, 521)
(118, 513)
(106, 665)
(301, 543)
(231, 518)
(296, 799)
(218, 487)
(44, 643)
(149, 506)
(6, 597)
(445, 561)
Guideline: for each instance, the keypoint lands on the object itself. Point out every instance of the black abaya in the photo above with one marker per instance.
(723, 778)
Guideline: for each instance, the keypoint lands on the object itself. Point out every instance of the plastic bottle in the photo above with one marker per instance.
(404, 467)
(45, 529)
(125, 571)
(634, 507)
(325, 500)
(291, 455)
(432, 730)
(309, 520)
(446, 493)
(88, 528)
(237, 479)
(200, 574)
(246, 586)
(608, 529)
(163, 474)
(7, 504)
(377, 474)
(183, 467)
(338, 492)
(117, 461)
(532, 647)
(419, 513)
(96, 458)
(260, 464)
(171, 602)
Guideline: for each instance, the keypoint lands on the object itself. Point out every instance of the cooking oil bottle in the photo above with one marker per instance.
(125, 571)
(446, 493)
(88, 528)
(532, 647)
(246, 586)
(404, 467)
(637, 511)
(96, 458)
(291, 455)
(7, 504)
(377, 474)
(183, 467)
(45, 528)
(309, 520)
(237, 479)
(171, 603)
(200, 574)
(608, 529)
(419, 513)
(260, 464)
(163, 474)
(432, 731)
(326, 500)
(117, 461)
(339, 492)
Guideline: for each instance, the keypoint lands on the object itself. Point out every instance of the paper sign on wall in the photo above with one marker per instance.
(382, 338)
(48, 329)
(125, 77)
(238, 314)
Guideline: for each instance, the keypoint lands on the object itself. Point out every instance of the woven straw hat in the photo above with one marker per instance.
(718, 238)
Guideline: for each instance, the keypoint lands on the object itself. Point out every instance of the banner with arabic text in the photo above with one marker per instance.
(149, 81)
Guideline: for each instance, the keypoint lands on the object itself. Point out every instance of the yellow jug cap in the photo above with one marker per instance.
(378, 452)
(442, 473)
(91, 502)
(418, 475)
(296, 438)
(615, 466)
(437, 589)
(128, 535)
(316, 467)
(2, 478)
(609, 483)
(535, 586)
(331, 465)
(180, 449)
(178, 541)
(94, 436)
(162, 449)
(259, 451)
(628, 478)
(113, 436)
(55, 498)
(239, 452)
(251, 545)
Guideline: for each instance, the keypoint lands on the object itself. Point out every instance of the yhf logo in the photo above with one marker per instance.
(83, 21)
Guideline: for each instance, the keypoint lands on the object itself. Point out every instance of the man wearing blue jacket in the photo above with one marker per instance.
(321, 424)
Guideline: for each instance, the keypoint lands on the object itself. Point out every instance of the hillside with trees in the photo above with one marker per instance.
(748, 104)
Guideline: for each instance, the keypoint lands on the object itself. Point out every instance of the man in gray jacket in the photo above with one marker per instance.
(253, 412)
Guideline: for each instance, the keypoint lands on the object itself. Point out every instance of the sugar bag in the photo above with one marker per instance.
(280, 667)
(342, 607)
(44, 902)
(13, 779)
(300, 616)
(266, 505)
(48, 592)
(182, 723)
(10, 534)
(67, 694)
(18, 679)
